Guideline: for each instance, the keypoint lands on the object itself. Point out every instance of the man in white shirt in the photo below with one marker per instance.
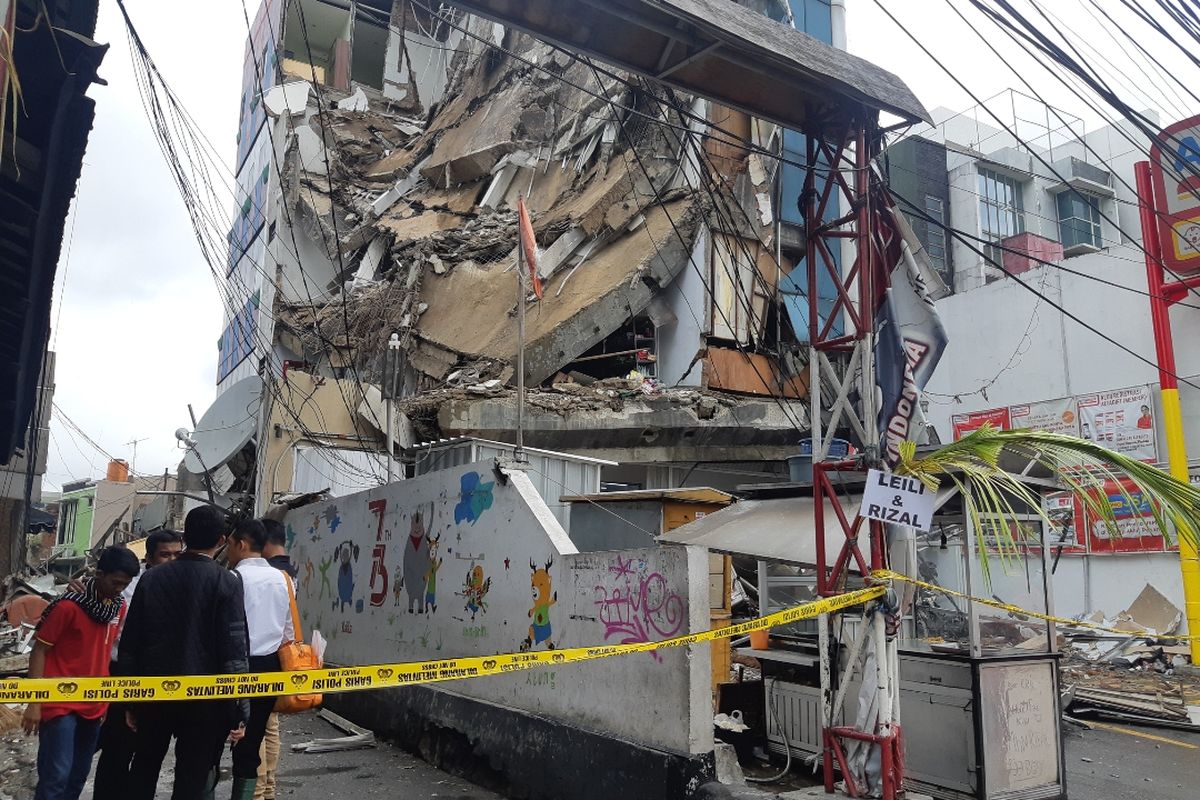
(269, 625)
(116, 739)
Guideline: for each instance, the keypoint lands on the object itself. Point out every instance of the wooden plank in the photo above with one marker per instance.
(749, 373)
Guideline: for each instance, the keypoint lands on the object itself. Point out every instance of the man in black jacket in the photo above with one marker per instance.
(186, 618)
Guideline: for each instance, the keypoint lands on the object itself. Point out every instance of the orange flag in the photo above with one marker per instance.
(529, 245)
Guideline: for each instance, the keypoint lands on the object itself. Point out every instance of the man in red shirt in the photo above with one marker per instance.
(74, 639)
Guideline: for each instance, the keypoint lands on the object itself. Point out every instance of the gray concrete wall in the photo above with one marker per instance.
(365, 564)
(615, 526)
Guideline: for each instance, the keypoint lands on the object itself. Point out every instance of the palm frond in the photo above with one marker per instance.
(991, 495)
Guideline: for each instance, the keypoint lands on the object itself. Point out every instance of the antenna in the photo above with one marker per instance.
(133, 459)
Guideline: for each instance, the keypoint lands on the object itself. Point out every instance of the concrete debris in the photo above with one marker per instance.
(355, 102)
(311, 150)
(288, 98)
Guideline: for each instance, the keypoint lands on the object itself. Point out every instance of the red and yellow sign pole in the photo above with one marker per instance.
(1161, 298)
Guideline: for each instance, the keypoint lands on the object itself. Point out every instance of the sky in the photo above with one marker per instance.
(137, 314)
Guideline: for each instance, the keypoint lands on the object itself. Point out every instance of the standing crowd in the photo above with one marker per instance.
(182, 613)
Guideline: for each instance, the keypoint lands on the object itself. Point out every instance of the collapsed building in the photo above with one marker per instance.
(381, 173)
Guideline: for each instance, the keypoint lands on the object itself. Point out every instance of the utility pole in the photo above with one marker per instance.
(1162, 296)
(133, 459)
(391, 375)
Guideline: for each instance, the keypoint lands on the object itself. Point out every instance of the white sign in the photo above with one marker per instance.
(897, 499)
(1051, 416)
(1121, 420)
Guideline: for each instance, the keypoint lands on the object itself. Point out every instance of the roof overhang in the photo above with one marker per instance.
(719, 50)
(781, 529)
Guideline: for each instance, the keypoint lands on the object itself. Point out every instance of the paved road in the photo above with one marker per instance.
(1132, 763)
(383, 771)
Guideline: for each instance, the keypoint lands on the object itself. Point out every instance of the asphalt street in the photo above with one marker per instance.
(1126, 762)
(1109, 762)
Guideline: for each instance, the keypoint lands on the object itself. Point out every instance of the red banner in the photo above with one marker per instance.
(965, 423)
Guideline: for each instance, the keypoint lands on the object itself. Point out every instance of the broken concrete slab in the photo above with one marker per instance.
(311, 151)
(288, 98)
(355, 102)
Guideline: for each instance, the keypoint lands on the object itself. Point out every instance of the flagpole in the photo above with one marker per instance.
(519, 453)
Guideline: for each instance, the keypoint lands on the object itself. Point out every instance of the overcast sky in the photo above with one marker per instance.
(140, 314)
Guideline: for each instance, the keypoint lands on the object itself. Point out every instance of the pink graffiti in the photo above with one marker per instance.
(639, 605)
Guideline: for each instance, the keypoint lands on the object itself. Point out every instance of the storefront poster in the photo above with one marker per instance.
(1052, 416)
(1136, 529)
(965, 423)
(1121, 420)
(1064, 512)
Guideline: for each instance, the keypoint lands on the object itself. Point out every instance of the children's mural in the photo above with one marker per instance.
(370, 569)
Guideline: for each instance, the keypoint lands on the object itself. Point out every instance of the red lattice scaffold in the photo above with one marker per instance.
(840, 180)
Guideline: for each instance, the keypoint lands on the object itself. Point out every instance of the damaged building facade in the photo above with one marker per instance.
(382, 150)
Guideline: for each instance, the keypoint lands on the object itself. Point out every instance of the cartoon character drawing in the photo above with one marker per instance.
(435, 564)
(416, 559)
(475, 497)
(475, 590)
(398, 585)
(331, 516)
(308, 576)
(345, 553)
(543, 599)
(325, 585)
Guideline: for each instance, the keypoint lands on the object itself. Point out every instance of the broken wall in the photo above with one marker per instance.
(469, 561)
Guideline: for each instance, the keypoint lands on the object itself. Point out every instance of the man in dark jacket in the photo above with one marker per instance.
(187, 618)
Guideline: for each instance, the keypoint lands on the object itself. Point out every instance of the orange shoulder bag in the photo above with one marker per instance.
(296, 656)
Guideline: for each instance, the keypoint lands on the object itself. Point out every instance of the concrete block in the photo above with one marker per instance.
(729, 771)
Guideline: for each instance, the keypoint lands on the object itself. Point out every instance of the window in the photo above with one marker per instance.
(237, 341)
(1078, 220)
(935, 245)
(1001, 210)
(66, 522)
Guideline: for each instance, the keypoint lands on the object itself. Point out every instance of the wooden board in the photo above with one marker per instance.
(748, 373)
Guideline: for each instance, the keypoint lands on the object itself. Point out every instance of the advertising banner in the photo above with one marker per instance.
(965, 423)
(1052, 416)
(1063, 511)
(1136, 529)
(1121, 420)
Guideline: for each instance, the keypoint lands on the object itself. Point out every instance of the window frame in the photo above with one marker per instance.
(1077, 224)
(1001, 213)
(936, 235)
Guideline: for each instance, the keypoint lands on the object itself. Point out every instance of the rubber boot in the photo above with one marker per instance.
(243, 788)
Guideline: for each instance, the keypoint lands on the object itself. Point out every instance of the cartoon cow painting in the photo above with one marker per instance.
(543, 598)
(416, 559)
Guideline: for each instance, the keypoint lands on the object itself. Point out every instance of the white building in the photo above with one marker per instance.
(1013, 357)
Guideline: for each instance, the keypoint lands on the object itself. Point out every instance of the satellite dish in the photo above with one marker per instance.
(226, 428)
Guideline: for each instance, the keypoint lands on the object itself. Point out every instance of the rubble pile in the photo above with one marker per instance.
(1136, 674)
(418, 213)
(25, 599)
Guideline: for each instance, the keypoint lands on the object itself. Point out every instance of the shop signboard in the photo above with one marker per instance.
(1175, 173)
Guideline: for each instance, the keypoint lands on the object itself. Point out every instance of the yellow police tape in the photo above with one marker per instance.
(888, 575)
(378, 676)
